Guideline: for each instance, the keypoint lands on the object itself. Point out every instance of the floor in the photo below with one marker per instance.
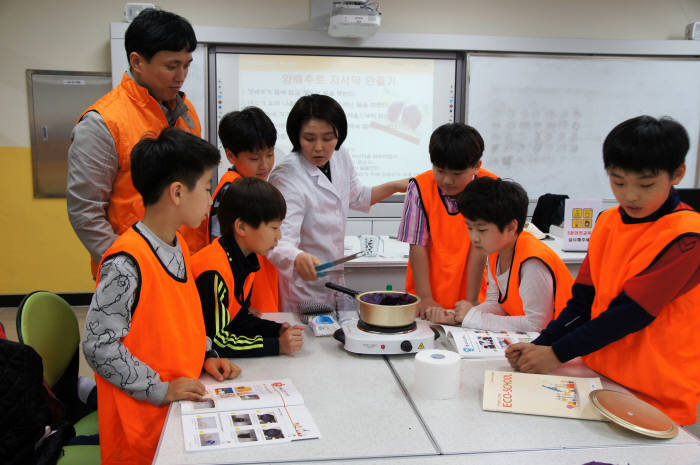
(8, 315)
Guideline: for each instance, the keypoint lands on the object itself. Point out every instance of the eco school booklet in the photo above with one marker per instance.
(246, 414)
(479, 343)
(549, 395)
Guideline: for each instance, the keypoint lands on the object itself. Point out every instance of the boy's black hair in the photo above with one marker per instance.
(455, 146)
(248, 130)
(175, 155)
(316, 106)
(644, 144)
(252, 200)
(155, 30)
(495, 201)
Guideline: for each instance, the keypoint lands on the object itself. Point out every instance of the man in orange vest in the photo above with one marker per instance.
(528, 283)
(101, 199)
(144, 332)
(634, 312)
(249, 137)
(442, 269)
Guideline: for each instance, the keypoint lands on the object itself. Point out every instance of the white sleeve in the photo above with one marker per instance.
(287, 249)
(537, 293)
(360, 195)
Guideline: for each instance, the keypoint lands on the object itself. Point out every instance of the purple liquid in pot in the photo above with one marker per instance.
(380, 298)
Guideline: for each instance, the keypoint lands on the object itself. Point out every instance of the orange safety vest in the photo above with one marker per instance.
(661, 362)
(130, 113)
(265, 296)
(528, 246)
(213, 257)
(167, 334)
(448, 248)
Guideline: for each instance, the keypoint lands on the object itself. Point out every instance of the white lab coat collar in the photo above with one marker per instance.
(321, 180)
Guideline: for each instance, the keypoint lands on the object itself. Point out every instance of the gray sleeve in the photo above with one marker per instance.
(92, 167)
(108, 322)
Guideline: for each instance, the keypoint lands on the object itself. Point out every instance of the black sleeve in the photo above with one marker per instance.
(622, 317)
(576, 313)
(206, 287)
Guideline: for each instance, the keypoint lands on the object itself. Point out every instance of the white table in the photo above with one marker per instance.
(367, 415)
(355, 401)
(460, 426)
(681, 454)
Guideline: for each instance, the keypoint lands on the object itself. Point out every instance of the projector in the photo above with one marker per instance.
(354, 19)
(692, 31)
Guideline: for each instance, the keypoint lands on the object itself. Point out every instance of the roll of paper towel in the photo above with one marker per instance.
(436, 374)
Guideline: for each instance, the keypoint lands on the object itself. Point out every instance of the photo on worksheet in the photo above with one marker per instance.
(209, 439)
(208, 422)
(249, 397)
(247, 435)
(241, 419)
(203, 404)
(225, 392)
(267, 417)
(273, 433)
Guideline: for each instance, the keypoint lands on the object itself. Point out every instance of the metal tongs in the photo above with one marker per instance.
(325, 266)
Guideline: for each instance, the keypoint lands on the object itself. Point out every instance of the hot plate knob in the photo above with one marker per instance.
(406, 346)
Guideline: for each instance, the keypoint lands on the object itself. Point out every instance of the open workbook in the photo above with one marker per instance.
(550, 395)
(479, 343)
(246, 414)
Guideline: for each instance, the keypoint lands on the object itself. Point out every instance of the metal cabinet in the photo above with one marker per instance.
(56, 99)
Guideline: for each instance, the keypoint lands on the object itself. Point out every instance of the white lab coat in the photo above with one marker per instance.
(317, 211)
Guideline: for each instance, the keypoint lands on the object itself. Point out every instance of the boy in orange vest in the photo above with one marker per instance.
(528, 284)
(634, 313)
(441, 269)
(226, 272)
(144, 332)
(249, 137)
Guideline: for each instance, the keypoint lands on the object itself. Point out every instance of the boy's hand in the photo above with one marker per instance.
(221, 368)
(425, 304)
(534, 358)
(183, 389)
(513, 352)
(462, 307)
(305, 264)
(291, 338)
(441, 316)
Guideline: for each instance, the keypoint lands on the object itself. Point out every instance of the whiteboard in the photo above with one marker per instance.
(544, 118)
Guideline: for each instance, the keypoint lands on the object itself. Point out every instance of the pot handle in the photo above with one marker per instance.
(343, 289)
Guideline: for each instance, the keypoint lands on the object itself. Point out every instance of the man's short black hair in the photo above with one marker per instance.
(175, 155)
(316, 106)
(252, 200)
(248, 130)
(495, 201)
(455, 146)
(645, 144)
(155, 30)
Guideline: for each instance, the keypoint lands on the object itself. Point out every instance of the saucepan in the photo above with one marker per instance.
(383, 308)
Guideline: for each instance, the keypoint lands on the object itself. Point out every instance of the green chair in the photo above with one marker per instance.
(48, 324)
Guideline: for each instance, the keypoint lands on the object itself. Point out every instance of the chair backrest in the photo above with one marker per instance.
(48, 324)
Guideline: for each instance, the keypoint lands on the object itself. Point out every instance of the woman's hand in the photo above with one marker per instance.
(305, 264)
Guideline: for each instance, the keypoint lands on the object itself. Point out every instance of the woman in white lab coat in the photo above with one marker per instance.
(320, 185)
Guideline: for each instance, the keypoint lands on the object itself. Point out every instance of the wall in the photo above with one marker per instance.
(39, 249)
